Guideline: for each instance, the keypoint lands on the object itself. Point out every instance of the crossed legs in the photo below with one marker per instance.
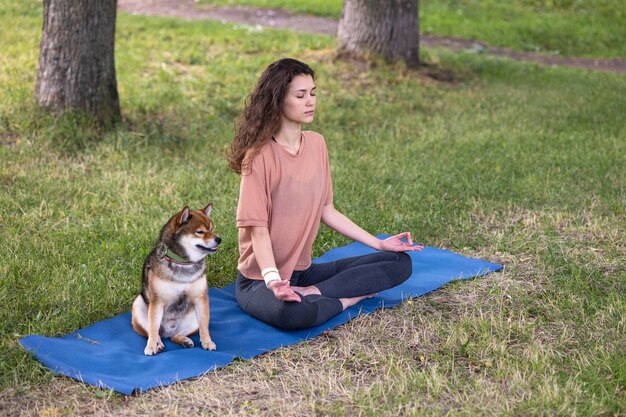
(326, 289)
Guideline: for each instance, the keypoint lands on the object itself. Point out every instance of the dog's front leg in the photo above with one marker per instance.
(155, 315)
(202, 314)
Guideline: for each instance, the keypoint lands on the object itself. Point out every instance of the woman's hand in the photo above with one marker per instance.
(395, 243)
(282, 290)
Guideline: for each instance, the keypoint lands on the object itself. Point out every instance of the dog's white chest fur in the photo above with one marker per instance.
(170, 291)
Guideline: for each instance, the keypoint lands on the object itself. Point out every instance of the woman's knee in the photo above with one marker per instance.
(406, 262)
(403, 267)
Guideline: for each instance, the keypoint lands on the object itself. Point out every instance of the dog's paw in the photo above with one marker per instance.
(186, 342)
(152, 348)
(208, 345)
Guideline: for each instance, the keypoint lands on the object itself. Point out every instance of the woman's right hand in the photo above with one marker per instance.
(282, 290)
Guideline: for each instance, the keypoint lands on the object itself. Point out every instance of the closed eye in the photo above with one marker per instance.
(200, 232)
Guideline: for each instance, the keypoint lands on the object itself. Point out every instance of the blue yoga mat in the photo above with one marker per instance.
(109, 354)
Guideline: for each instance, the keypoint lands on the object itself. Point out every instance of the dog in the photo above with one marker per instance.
(174, 299)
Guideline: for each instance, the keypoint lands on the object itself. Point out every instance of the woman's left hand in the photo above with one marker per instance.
(395, 243)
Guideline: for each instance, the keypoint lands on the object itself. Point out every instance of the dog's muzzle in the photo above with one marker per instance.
(213, 249)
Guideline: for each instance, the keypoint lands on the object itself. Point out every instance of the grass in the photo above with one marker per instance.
(514, 163)
(554, 27)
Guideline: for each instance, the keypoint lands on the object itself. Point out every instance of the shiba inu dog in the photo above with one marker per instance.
(174, 300)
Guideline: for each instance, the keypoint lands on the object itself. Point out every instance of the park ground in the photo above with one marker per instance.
(513, 162)
(326, 23)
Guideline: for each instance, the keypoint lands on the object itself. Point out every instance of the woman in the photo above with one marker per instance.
(285, 192)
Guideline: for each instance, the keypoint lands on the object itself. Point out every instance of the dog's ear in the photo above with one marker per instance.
(207, 210)
(184, 216)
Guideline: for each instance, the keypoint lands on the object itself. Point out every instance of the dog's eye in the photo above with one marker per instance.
(200, 232)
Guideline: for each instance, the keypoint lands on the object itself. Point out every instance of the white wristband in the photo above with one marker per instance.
(270, 274)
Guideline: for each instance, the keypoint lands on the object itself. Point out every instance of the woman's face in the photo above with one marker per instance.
(299, 103)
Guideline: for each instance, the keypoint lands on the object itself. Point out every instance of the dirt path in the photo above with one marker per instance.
(277, 18)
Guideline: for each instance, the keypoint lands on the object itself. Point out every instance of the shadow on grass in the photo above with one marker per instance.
(429, 69)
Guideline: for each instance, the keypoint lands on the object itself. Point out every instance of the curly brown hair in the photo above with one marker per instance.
(261, 115)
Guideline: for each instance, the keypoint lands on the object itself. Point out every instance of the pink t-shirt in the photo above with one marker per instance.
(285, 193)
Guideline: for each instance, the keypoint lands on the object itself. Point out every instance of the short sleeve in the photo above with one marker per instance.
(254, 197)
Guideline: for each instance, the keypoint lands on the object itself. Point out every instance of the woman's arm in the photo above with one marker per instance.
(342, 224)
(264, 255)
(262, 247)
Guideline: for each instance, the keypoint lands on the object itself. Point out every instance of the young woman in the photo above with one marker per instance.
(285, 192)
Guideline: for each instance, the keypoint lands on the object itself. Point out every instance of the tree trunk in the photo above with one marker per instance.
(77, 62)
(386, 27)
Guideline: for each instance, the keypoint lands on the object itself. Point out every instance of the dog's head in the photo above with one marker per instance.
(190, 233)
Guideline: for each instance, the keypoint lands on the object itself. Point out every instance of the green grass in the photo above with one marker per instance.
(564, 27)
(516, 163)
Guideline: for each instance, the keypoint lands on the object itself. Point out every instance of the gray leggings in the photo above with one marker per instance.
(350, 277)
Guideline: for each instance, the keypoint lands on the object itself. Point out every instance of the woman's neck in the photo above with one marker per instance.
(289, 136)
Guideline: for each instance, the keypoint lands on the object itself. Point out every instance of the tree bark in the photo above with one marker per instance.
(77, 61)
(386, 27)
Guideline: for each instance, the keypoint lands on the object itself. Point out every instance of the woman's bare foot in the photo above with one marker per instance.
(304, 291)
(349, 302)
